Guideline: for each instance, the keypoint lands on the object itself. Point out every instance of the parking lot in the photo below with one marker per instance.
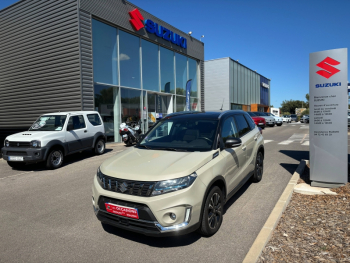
(47, 215)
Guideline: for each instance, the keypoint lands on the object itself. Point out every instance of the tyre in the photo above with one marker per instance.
(212, 212)
(279, 124)
(259, 168)
(54, 159)
(16, 165)
(100, 147)
(272, 125)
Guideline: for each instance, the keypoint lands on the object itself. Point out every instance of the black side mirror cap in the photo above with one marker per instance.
(233, 142)
(70, 127)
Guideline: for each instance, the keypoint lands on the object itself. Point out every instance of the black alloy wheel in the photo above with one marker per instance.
(259, 168)
(100, 147)
(212, 212)
(54, 159)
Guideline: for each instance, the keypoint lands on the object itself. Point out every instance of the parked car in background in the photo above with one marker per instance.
(259, 121)
(287, 119)
(294, 117)
(54, 136)
(304, 119)
(279, 120)
(270, 121)
(179, 177)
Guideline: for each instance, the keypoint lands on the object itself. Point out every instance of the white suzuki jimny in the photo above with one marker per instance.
(53, 136)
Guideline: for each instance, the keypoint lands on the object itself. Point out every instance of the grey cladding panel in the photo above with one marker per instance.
(86, 59)
(202, 86)
(39, 61)
(117, 13)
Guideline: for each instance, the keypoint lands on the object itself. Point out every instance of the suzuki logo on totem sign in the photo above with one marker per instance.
(328, 72)
(154, 28)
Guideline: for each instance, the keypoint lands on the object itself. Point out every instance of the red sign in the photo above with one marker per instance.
(122, 210)
(136, 19)
(328, 71)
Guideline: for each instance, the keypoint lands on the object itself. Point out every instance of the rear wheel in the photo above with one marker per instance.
(54, 159)
(100, 147)
(212, 212)
(259, 168)
(16, 165)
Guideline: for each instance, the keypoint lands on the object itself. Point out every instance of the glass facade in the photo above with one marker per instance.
(136, 79)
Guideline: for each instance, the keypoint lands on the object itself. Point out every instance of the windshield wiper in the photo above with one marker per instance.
(171, 149)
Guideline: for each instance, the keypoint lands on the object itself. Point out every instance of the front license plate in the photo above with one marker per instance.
(122, 210)
(16, 158)
(261, 124)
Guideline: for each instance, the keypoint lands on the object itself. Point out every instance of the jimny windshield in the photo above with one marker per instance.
(182, 134)
(49, 123)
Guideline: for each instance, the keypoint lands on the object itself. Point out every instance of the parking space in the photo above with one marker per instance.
(47, 215)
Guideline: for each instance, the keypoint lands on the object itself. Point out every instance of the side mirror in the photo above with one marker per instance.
(70, 127)
(233, 142)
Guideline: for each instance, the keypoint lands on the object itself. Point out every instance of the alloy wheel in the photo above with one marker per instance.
(100, 146)
(214, 211)
(56, 158)
(259, 165)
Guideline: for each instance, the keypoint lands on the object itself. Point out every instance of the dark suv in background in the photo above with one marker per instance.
(294, 117)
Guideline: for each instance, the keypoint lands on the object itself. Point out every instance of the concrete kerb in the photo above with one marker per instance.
(272, 221)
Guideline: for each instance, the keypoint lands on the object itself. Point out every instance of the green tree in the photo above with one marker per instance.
(291, 105)
(307, 100)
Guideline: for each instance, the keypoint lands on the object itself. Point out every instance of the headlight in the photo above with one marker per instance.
(6, 143)
(35, 144)
(172, 185)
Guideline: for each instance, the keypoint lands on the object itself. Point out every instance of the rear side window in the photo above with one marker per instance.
(250, 121)
(94, 119)
(77, 121)
(242, 124)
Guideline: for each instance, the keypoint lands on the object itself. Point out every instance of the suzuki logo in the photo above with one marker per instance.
(123, 187)
(328, 71)
(136, 20)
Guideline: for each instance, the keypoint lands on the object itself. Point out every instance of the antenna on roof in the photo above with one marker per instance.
(222, 103)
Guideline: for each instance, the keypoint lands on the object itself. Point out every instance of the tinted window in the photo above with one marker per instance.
(77, 121)
(229, 129)
(94, 119)
(242, 124)
(252, 114)
(250, 122)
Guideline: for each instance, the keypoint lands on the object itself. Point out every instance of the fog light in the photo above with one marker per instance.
(172, 216)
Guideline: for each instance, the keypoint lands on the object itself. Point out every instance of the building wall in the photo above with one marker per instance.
(217, 81)
(39, 62)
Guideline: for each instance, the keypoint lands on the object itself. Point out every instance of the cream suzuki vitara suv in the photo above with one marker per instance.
(178, 178)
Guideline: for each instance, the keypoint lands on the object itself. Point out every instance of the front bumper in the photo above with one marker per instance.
(154, 212)
(30, 155)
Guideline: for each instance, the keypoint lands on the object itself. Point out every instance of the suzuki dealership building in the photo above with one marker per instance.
(109, 56)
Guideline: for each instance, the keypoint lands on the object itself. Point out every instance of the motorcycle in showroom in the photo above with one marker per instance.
(130, 132)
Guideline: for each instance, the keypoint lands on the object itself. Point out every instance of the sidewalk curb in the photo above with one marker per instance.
(272, 221)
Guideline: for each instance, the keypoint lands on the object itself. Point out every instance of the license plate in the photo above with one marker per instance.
(125, 135)
(15, 158)
(261, 124)
(122, 210)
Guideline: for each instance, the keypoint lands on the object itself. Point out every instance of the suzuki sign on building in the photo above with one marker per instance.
(328, 87)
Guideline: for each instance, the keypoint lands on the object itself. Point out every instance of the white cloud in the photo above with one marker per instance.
(124, 57)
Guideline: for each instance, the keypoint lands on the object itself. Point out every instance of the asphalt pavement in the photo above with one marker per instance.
(47, 215)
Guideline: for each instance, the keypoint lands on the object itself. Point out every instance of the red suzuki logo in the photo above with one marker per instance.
(136, 19)
(328, 71)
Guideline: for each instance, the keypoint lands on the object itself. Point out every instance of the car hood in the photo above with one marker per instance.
(258, 118)
(28, 136)
(268, 118)
(154, 165)
(277, 118)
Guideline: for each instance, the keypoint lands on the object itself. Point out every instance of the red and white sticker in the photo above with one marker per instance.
(122, 210)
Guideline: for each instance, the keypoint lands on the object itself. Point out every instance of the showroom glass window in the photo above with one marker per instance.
(192, 70)
(104, 38)
(129, 56)
(181, 74)
(150, 66)
(167, 70)
(180, 103)
(130, 104)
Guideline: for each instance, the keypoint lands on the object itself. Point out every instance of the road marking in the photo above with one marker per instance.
(267, 141)
(306, 143)
(286, 142)
(303, 138)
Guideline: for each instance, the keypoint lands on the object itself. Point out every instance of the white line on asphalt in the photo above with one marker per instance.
(286, 142)
(303, 138)
(306, 143)
(267, 141)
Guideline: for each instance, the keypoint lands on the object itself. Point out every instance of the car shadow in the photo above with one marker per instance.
(296, 155)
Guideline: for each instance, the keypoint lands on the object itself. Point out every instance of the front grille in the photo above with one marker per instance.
(20, 144)
(16, 153)
(123, 186)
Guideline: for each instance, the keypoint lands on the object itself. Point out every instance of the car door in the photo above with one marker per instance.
(78, 135)
(234, 158)
(253, 135)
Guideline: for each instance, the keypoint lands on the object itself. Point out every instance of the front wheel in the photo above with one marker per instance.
(212, 212)
(16, 165)
(279, 124)
(259, 168)
(54, 159)
(100, 147)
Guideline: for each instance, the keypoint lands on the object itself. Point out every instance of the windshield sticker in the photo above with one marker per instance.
(38, 125)
(44, 118)
(58, 129)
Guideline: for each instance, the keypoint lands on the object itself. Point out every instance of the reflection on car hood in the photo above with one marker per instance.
(154, 165)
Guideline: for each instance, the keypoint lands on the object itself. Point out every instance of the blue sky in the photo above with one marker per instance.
(272, 37)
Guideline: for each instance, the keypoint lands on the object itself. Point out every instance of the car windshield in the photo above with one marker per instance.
(181, 134)
(260, 113)
(251, 114)
(293, 115)
(49, 123)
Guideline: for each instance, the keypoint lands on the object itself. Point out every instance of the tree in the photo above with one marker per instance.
(291, 105)
(307, 100)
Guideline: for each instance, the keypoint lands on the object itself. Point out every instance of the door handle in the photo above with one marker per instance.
(256, 137)
(244, 147)
(85, 131)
